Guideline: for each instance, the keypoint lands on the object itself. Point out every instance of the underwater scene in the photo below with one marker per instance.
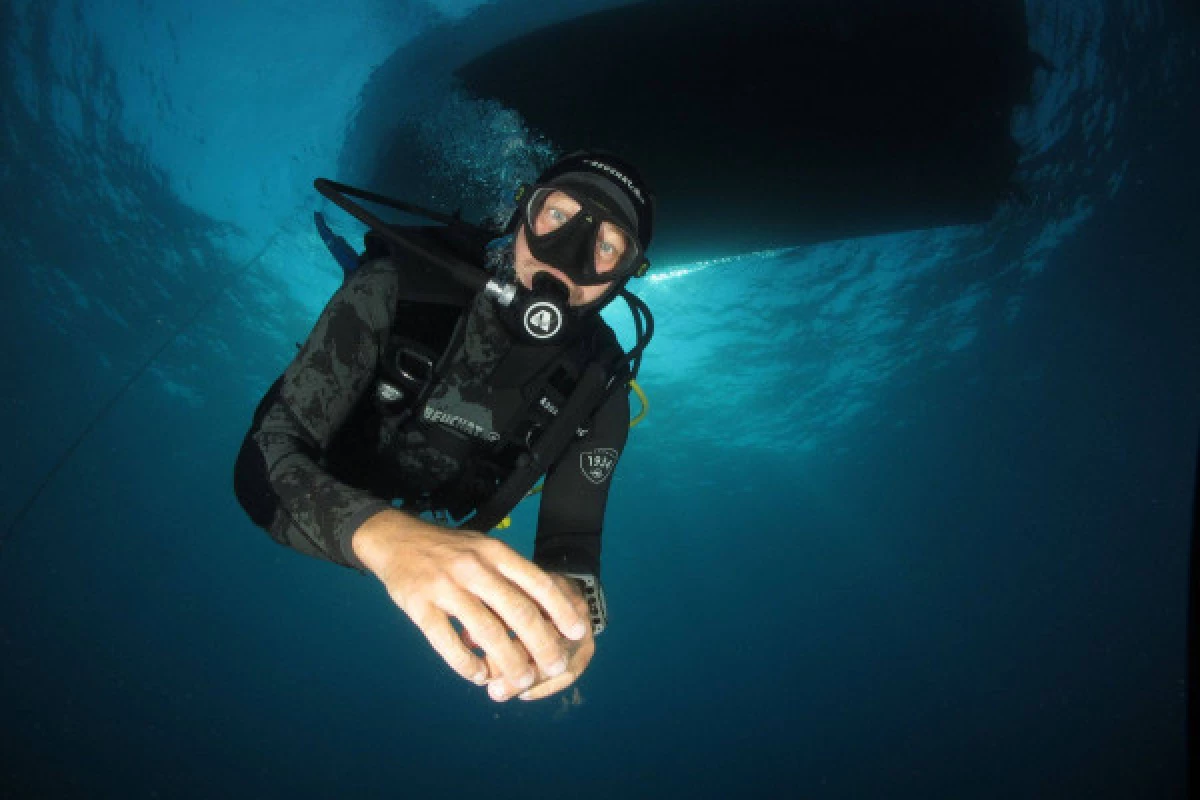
(905, 510)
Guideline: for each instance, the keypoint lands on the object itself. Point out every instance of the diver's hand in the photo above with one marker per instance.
(581, 652)
(434, 574)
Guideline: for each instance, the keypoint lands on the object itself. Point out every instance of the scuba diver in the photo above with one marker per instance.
(455, 367)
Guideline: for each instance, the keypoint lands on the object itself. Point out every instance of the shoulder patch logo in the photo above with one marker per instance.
(598, 464)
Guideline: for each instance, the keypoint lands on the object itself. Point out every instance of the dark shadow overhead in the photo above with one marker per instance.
(770, 123)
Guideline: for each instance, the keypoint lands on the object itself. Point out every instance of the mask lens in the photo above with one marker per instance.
(550, 209)
(610, 251)
(614, 248)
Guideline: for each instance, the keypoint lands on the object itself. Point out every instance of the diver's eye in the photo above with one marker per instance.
(607, 255)
(611, 246)
(549, 220)
(550, 209)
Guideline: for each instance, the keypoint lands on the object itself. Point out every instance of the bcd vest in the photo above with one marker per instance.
(456, 403)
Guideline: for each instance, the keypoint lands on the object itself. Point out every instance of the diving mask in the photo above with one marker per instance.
(576, 226)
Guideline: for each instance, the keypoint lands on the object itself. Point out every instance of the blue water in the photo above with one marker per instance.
(908, 517)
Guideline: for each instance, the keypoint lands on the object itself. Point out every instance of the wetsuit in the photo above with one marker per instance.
(325, 452)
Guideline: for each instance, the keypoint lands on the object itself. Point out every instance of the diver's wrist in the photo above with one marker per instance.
(374, 540)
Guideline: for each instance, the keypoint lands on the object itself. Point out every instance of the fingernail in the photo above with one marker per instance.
(480, 677)
(496, 690)
(526, 681)
(557, 668)
(577, 631)
(525, 696)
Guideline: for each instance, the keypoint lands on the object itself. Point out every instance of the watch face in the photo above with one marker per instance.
(593, 593)
(593, 605)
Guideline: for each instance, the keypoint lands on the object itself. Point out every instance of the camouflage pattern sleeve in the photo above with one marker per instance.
(318, 514)
(575, 493)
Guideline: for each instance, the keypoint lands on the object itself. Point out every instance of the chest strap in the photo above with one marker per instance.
(553, 441)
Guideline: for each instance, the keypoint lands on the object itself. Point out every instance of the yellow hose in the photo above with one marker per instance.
(642, 398)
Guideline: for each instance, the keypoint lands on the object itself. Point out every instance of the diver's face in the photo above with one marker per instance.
(527, 266)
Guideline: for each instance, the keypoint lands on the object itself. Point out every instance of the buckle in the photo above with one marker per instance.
(414, 369)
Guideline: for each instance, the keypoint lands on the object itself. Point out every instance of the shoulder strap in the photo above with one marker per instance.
(592, 388)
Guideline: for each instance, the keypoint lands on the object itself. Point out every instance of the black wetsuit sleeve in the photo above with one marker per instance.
(280, 478)
(575, 493)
